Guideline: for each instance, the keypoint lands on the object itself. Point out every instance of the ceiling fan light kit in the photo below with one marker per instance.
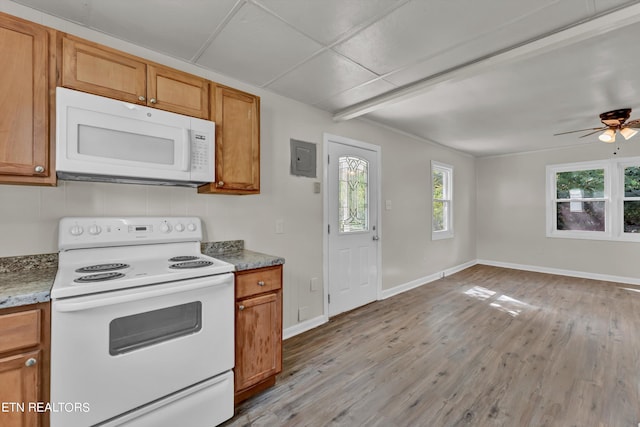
(628, 132)
(613, 121)
(608, 136)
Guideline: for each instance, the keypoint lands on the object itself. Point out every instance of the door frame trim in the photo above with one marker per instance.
(326, 139)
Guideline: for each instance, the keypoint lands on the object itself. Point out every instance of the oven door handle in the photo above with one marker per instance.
(143, 293)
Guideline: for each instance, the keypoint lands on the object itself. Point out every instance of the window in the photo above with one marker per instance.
(594, 200)
(442, 209)
(353, 194)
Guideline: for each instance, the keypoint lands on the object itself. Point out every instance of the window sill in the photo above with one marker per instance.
(441, 235)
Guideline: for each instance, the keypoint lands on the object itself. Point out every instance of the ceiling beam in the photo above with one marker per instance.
(583, 30)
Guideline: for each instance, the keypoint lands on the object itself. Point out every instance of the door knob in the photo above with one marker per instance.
(241, 307)
(39, 169)
(30, 362)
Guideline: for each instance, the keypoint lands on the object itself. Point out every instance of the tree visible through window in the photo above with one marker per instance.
(442, 190)
(580, 203)
(594, 200)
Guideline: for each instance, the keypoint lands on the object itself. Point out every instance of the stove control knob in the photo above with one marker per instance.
(165, 228)
(95, 230)
(180, 227)
(191, 227)
(76, 230)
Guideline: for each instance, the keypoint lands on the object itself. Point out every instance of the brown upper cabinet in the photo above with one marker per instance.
(97, 69)
(26, 150)
(237, 162)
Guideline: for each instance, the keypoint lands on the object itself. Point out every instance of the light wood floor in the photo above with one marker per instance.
(484, 347)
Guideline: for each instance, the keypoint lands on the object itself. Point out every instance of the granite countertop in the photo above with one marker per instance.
(234, 253)
(28, 279)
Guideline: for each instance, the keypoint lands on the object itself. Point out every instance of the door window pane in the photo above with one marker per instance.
(353, 194)
(144, 329)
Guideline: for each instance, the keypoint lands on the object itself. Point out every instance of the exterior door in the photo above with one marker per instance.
(353, 230)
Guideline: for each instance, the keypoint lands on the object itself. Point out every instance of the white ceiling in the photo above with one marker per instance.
(485, 86)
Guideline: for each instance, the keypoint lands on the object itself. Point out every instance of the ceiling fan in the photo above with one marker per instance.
(613, 121)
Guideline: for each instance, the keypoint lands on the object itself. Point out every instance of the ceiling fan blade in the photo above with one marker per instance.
(632, 124)
(583, 130)
(591, 133)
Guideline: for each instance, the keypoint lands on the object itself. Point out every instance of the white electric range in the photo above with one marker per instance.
(142, 325)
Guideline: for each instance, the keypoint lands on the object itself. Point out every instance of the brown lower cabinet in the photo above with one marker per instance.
(24, 365)
(258, 357)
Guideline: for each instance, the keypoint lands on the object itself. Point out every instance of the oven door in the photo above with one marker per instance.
(116, 351)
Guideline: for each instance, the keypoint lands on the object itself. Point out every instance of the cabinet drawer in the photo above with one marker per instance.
(258, 281)
(19, 330)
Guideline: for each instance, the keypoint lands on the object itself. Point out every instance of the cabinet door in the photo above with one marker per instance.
(237, 117)
(178, 92)
(19, 379)
(102, 71)
(258, 339)
(24, 142)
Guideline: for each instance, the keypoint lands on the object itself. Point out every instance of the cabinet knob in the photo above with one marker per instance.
(241, 307)
(220, 183)
(39, 169)
(30, 362)
(260, 283)
(153, 100)
(142, 98)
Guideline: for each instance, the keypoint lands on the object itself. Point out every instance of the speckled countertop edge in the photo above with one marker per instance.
(248, 260)
(28, 279)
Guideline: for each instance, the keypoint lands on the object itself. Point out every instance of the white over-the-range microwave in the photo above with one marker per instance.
(103, 139)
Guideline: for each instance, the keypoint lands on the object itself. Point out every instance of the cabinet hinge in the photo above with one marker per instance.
(328, 159)
(329, 297)
(328, 228)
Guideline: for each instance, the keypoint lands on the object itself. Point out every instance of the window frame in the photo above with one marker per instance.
(447, 171)
(613, 197)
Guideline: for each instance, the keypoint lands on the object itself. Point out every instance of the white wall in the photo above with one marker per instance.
(29, 215)
(511, 203)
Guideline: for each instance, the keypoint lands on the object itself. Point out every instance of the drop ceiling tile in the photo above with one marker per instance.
(71, 10)
(422, 29)
(322, 76)
(326, 20)
(603, 5)
(357, 94)
(256, 47)
(174, 27)
(543, 21)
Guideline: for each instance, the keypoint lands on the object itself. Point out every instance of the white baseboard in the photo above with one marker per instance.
(305, 326)
(562, 272)
(387, 293)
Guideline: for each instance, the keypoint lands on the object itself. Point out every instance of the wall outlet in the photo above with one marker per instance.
(303, 313)
(387, 205)
(315, 284)
(316, 187)
(280, 226)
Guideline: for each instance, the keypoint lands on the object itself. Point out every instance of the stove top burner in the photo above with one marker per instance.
(102, 267)
(99, 277)
(183, 258)
(191, 264)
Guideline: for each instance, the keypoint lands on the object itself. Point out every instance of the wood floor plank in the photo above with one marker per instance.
(485, 347)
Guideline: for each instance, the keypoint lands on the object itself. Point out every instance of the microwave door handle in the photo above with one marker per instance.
(206, 282)
(186, 150)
